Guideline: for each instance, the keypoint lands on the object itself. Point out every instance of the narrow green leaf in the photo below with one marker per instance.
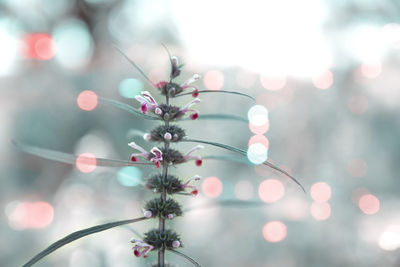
(169, 55)
(228, 147)
(134, 65)
(186, 257)
(230, 158)
(76, 235)
(227, 203)
(220, 117)
(71, 158)
(219, 91)
(126, 107)
(244, 153)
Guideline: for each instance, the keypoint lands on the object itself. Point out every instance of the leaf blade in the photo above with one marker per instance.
(216, 116)
(244, 153)
(125, 107)
(218, 91)
(195, 263)
(77, 235)
(71, 158)
(229, 158)
(134, 65)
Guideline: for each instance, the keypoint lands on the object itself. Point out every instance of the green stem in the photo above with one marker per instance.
(161, 222)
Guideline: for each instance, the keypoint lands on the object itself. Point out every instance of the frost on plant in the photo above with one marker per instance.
(163, 207)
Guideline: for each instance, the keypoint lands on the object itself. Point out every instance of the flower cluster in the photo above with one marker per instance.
(166, 112)
(165, 156)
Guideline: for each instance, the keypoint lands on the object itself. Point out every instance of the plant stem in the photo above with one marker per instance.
(161, 223)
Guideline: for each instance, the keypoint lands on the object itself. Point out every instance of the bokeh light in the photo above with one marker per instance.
(213, 80)
(129, 88)
(273, 83)
(10, 48)
(258, 115)
(259, 129)
(30, 215)
(271, 190)
(262, 139)
(324, 80)
(87, 100)
(369, 204)
(357, 167)
(366, 42)
(274, 231)
(129, 176)
(39, 46)
(390, 238)
(74, 44)
(257, 153)
(358, 104)
(212, 187)
(320, 192)
(86, 162)
(244, 190)
(389, 241)
(357, 194)
(320, 210)
(370, 70)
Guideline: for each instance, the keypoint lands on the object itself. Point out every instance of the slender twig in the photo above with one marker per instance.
(161, 224)
(134, 65)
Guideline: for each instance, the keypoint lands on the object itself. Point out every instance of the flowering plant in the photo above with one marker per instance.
(163, 207)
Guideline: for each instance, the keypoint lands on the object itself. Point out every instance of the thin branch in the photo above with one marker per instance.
(134, 65)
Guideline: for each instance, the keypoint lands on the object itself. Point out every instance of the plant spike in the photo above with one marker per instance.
(163, 207)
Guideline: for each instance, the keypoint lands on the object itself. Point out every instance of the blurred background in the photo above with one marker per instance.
(325, 75)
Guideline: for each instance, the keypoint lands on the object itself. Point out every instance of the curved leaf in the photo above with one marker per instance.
(126, 107)
(135, 66)
(186, 257)
(76, 235)
(230, 158)
(218, 91)
(244, 153)
(71, 158)
(220, 117)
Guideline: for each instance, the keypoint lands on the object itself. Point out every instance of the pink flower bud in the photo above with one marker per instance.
(176, 244)
(147, 136)
(158, 111)
(195, 93)
(167, 136)
(194, 116)
(147, 213)
(195, 192)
